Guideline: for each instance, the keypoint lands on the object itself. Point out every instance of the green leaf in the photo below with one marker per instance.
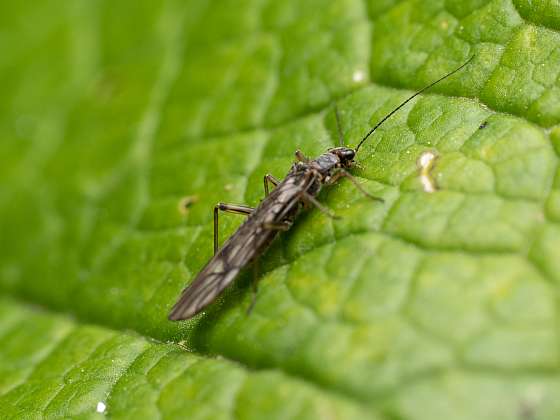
(53, 367)
(123, 123)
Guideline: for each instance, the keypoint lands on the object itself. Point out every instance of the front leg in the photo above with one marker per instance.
(301, 157)
(344, 173)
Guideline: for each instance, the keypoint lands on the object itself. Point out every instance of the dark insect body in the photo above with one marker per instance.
(275, 213)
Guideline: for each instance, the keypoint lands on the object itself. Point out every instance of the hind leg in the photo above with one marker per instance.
(228, 208)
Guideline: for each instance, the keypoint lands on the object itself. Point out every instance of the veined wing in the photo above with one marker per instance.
(220, 271)
(245, 244)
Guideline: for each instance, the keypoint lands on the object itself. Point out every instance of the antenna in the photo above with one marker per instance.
(386, 117)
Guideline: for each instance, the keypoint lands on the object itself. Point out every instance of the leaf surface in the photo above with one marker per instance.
(122, 125)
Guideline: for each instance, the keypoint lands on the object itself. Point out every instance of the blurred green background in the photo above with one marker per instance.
(440, 304)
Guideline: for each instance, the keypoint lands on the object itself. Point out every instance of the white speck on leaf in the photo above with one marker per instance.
(358, 76)
(426, 158)
(101, 407)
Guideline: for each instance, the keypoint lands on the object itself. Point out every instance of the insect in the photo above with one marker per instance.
(275, 213)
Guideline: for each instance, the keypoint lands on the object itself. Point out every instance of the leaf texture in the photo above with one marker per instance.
(122, 124)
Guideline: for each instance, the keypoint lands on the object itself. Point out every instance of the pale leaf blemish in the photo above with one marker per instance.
(531, 402)
(186, 202)
(426, 163)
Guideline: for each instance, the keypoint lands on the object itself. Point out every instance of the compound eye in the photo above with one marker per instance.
(349, 154)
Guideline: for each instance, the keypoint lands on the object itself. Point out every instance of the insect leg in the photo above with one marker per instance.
(301, 157)
(338, 126)
(343, 173)
(229, 208)
(278, 226)
(310, 199)
(269, 178)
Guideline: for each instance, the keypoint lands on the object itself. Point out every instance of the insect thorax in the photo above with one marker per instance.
(326, 163)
